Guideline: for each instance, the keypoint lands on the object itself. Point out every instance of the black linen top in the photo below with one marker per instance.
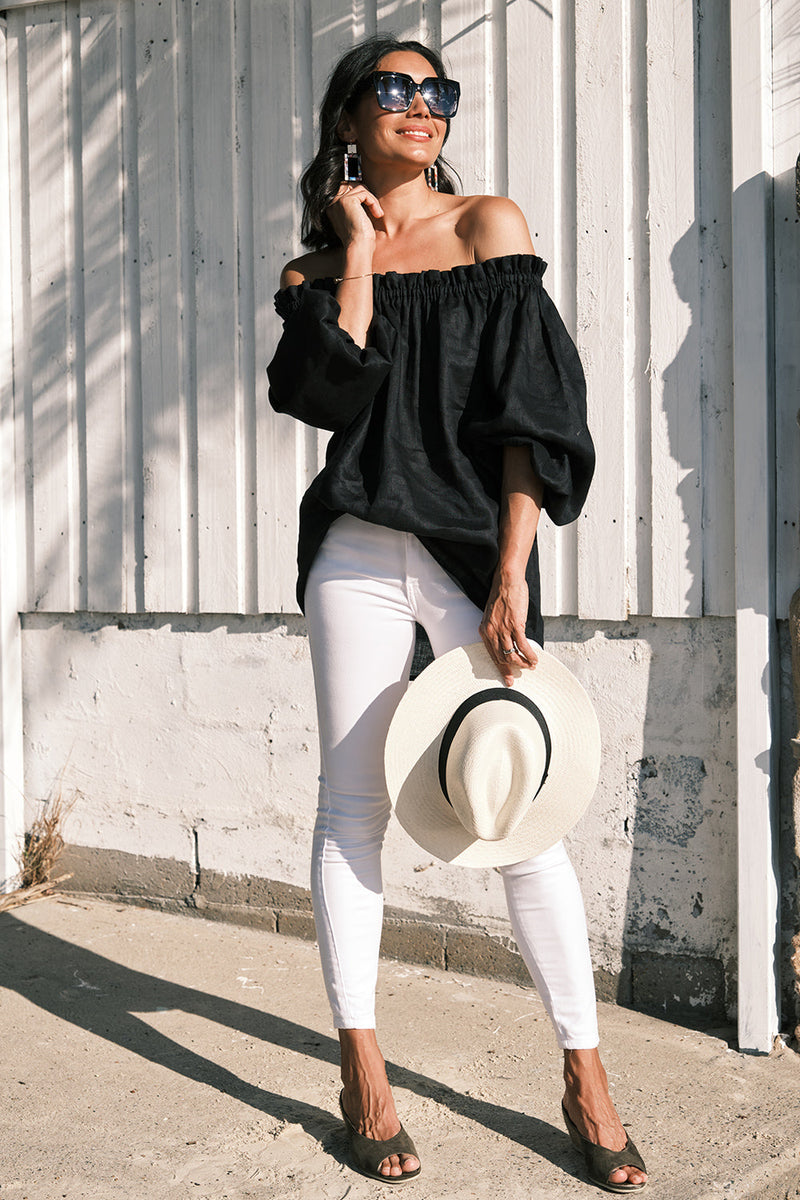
(461, 363)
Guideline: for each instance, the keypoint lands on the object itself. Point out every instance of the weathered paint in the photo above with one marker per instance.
(194, 739)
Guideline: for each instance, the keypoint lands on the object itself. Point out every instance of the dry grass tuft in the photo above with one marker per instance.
(43, 843)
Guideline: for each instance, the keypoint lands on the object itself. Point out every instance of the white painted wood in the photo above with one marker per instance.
(277, 221)
(50, 419)
(637, 344)
(674, 308)
(19, 175)
(405, 18)
(530, 156)
(786, 133)
(170, 486)
(562, 279)
(245, 398)
(753, 468)
(601, 301)
(167, 313)
(467, 47)
(108, 530)
(715, 313)
(133, 475)
(215, 270)
(12, 805)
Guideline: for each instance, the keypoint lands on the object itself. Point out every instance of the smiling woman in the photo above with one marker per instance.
(418, 331)
(323, 176)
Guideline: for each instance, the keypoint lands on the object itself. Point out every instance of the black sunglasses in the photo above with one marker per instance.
(395, 92)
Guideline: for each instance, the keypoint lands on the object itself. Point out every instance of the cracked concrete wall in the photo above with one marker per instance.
(190, 742)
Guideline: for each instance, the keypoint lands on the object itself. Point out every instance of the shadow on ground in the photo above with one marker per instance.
(53, 973)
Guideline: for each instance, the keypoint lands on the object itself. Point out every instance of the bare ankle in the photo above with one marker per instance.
(582, 1065)
(361, 1056)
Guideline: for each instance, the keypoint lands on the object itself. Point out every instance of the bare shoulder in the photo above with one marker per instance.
(315, 265)
(496, 226)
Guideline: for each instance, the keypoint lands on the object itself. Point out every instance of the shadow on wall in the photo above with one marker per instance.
(680, 925)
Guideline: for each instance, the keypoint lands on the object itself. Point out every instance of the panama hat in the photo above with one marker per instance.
(485, 775)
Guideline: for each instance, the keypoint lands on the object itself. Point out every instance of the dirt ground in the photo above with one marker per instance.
(150, 1056)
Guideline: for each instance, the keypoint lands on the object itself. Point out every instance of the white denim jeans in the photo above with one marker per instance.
(367, 588)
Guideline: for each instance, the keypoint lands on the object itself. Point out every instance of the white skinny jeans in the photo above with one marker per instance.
(367, 588)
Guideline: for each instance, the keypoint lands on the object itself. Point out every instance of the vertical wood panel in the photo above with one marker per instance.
(109, 522)
(165, 323)
(601, 300)
(76, 314)
(276, 166)
(562, 281)
(712, 101)
(215, 292)
(467, 46)
(333, 26)
(405, 18)
(531, 139)
(246, 462)
(675, 314)
(51, 416)
(133, 488)
(19, 194)
(786, 141)
(637, 346)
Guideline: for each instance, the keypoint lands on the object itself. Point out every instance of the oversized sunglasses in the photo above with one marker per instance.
(395, 92)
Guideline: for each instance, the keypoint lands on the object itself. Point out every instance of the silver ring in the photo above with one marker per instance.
(511, 651)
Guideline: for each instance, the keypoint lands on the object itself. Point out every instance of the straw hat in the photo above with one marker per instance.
(484, 775)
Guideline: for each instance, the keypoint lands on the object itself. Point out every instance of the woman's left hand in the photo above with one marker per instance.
(503, 627)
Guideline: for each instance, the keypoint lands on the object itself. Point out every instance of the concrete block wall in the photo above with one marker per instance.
(189, 747)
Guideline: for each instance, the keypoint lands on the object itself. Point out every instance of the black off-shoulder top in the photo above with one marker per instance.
(460, 363)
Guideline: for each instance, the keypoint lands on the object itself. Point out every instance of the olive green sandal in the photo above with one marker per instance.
(600, 1162)
(367, 1154)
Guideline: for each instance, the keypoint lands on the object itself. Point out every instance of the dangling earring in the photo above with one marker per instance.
(432, 176)
(352, 164)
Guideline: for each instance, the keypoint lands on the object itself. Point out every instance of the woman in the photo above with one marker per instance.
(417, 330)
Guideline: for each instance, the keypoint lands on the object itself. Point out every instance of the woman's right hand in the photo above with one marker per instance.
(349, 211)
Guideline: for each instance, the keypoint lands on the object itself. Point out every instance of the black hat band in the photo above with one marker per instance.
(467, 706)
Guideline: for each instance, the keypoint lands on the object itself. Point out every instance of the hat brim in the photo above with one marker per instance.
(412, 757)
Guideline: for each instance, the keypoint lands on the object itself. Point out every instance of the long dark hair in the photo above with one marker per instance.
(322, 178)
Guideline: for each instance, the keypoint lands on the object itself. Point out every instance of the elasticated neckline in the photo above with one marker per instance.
(488, 275)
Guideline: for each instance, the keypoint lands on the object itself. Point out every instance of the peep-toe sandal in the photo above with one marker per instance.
(600, 1161)
(367, 1154)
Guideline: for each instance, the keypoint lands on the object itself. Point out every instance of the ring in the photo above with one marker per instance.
(511, 651)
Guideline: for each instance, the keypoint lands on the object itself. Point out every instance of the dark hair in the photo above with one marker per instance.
(322, 178)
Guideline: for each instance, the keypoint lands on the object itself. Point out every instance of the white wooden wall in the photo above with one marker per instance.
(154, 152)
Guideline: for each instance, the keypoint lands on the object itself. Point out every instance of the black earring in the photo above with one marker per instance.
(352, 164)
(432, 176)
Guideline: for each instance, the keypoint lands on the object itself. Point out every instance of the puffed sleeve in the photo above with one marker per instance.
(318, 373)
(535, 395)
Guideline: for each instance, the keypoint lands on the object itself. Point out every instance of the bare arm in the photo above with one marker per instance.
(503, 624)
(350, 216)
(500, 228)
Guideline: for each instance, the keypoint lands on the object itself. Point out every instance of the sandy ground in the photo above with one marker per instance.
(154, 1056)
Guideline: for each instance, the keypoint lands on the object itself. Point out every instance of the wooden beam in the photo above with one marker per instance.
(754, 473)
